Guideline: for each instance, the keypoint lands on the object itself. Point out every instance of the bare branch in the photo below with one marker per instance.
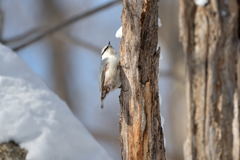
(22, 36)
(66, 23)
(79, 42)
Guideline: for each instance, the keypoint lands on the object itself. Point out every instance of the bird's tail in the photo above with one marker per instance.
(103, 95)
(102, 104)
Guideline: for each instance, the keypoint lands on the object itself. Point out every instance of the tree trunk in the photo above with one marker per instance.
(210, 38)
(60, 59)
(140, 124)
(237, 112)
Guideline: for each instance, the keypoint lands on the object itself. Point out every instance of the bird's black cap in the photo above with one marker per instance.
(106, 47)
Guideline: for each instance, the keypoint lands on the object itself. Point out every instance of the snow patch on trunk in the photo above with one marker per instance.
(201, 2)
(159, 22)
(119, 33)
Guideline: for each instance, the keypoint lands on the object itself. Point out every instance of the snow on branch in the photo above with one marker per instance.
(37, 119)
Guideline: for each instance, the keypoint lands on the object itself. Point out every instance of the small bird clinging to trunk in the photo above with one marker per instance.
(110, 72)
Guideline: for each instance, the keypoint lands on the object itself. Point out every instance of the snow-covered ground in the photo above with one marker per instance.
(37, 119)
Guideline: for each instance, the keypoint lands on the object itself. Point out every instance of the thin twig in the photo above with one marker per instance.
(66, 23)
(80, 42)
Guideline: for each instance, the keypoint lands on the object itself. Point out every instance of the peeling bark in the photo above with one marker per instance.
(210, 38)
(140, 124)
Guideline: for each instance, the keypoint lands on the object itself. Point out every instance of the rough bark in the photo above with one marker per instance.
(11, 151)
(140, 124)
(210, 38)
(237, 110)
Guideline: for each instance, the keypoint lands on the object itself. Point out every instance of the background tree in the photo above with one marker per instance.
(140, 124)
(173, 105)
(76, 28)
(61, 68)
(210, 36)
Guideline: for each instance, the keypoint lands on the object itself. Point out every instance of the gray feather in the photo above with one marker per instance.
(102, 80)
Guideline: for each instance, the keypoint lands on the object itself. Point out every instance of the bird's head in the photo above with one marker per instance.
(108, 49)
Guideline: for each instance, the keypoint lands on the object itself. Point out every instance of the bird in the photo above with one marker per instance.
(110, 71)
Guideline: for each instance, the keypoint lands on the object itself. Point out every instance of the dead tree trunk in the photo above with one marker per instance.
(237, 109)
(140, 124)
(210, 38)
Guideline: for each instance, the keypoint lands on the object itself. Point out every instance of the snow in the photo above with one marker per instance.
(37, 119)
(162, 124)
(161, 116)
(119, 33)
(201, 2)
(159, 22)
(162, 121)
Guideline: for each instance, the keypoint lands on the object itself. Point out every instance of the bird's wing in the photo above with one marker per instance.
(104, 67)
(102, 72)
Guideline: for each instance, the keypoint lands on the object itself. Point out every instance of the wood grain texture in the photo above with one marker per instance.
(140, 124)
(210, 38)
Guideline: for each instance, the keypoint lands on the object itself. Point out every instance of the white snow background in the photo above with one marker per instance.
(37, 119)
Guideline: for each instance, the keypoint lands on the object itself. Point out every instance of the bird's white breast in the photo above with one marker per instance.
(112, 60)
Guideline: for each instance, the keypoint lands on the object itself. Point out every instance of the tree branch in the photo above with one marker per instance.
(22, 36)
(66, 23)
(79, 42)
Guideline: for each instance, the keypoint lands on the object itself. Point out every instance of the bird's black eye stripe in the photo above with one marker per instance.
(105, 49)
